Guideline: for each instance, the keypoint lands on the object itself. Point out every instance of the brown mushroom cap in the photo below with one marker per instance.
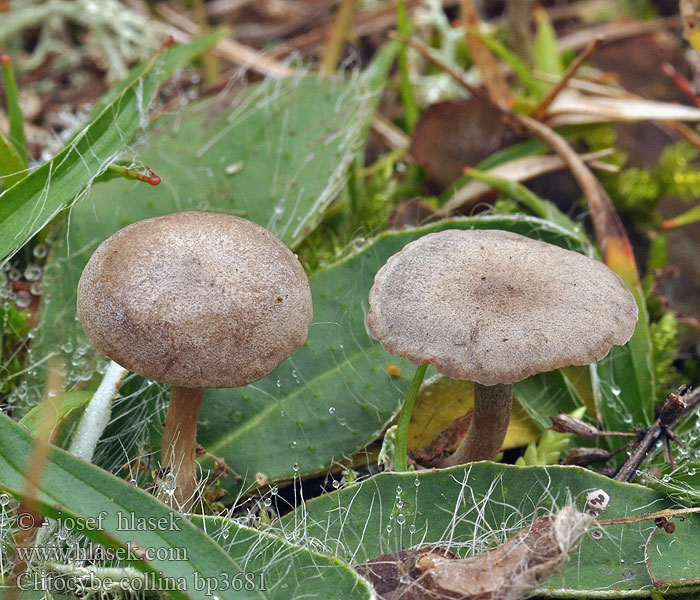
(195, 299)
(492, 306)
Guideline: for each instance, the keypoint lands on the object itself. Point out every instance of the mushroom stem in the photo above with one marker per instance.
(488, 427)
(179, 444)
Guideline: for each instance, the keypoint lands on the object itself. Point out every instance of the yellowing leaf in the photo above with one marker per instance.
(443, 400)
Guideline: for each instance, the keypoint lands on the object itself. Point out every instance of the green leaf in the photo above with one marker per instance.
(520, 68)
(14, 110)
(287, 570)
(671, 562)
(623, 381)
(28, 205)
(12, 169)
(245, 563)
(546, 395)
(243, 157)
(539, 207)
(73, 489)
(67, 403)
(545, 49)
(474, 508)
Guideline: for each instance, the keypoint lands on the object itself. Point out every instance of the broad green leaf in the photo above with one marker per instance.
(286, 570)
(334, 395)
(74, 489)
(268, 155)
(474, 508)
(31, 203)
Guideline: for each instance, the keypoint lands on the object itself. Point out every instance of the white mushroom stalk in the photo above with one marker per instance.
(494, 307)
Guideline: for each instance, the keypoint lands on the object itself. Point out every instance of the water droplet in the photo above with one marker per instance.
(169, 484)
(14, 274)
(398, 490)
(234, 168)
(23, 299)
(412, 529)
(293, 444)
(4, 499)
(401, 519)
(40, 251)
(67, 347)
(274, 491)
(416, 482)
(331, 409)
(359, 243)
(388, 528)
(399, 505)
(36, 288)
(225, 534)
(616, 391)
(295, 466)
(336, 484)
(278, 383)
(267, 502)
(33, 272)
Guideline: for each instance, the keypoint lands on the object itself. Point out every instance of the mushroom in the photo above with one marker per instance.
(196, 300)
(494, 307)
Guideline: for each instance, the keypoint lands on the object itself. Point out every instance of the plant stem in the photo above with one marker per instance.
(339, 33)
(410, 106)
(179, 443)
(400, 462)
(488, 427)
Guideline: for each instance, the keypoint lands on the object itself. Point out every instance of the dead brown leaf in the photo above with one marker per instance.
(455, 134)
(508, 572)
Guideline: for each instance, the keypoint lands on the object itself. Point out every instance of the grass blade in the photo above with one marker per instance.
(17, 136)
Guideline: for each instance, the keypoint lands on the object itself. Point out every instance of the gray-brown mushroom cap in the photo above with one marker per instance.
(492, 306)
(195, 300)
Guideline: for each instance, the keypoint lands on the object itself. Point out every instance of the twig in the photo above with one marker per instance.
(659, 514)
(493, 79)
(541, 109)
(674, 409)
(228, 48)
(617, 30)
(390, 133)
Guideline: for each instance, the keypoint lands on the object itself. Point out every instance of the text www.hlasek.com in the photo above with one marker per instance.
(80, 553)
